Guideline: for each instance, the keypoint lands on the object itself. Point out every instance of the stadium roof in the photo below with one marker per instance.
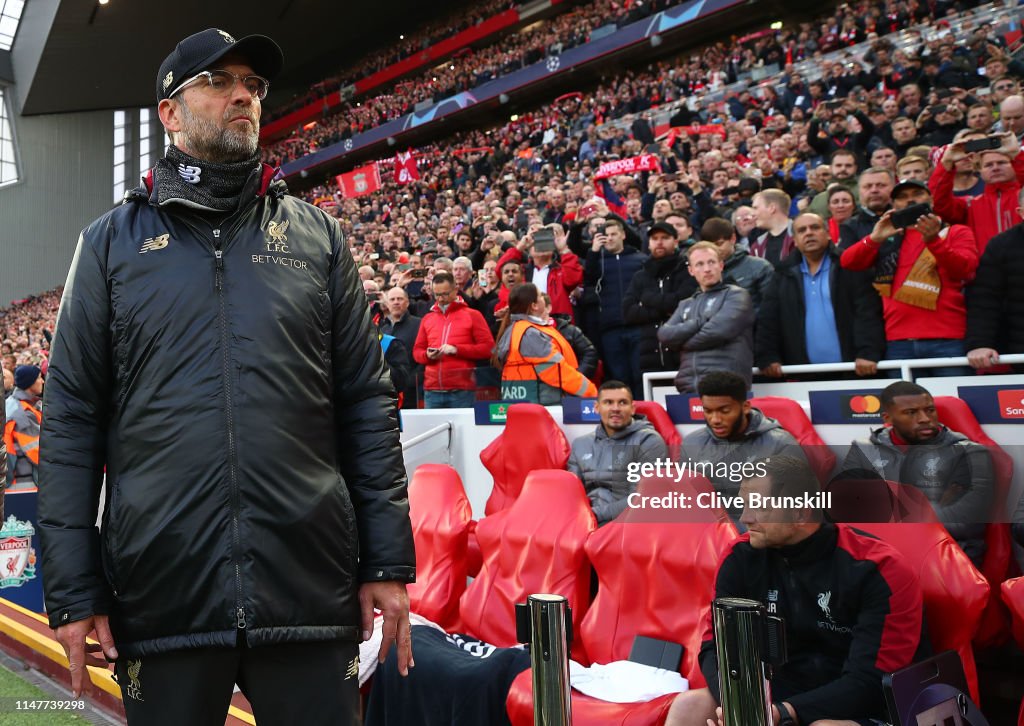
(76, 55)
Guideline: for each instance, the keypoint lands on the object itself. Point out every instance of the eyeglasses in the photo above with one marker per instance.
(222, 83)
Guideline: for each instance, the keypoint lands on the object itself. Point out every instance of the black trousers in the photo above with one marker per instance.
(291, 683)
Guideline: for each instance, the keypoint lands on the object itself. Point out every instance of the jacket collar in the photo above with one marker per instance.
(267, 185)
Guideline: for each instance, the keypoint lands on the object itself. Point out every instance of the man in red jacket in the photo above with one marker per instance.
(920, 272)
(995, 209)
(557, 275)
(452, 337)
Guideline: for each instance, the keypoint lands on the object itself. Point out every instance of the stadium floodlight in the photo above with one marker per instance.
(777, 25)
(104, 2)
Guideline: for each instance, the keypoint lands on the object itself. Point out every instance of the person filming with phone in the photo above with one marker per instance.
(1001, 166)
(920, 266)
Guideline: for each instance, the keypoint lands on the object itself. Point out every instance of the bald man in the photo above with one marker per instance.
(1011, 116)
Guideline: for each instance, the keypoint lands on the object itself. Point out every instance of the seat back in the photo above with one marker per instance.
(531, 440)
(998, 559)
(791, 417)
(441, 515)
(657, 578)
(534, 546)
(659, 418)
(955, 593)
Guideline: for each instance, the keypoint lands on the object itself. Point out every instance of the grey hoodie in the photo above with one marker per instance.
(949, 460)
(600, 462)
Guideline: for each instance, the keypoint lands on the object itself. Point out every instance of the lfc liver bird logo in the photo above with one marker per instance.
(277, 230)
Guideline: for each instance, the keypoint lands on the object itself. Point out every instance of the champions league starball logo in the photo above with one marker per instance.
(17, 556)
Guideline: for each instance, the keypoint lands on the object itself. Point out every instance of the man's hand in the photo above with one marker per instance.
(1010, 146)
(718, 720)
(884, 229)
(929, 226)
(80, 654)
(773, 370)
(865, 367)
(953, 154)
(392, 600)
(449, 349)
(983, 357)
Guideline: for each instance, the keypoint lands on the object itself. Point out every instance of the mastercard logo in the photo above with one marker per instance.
(864, 404)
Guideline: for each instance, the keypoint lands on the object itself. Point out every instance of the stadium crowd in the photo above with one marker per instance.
(470, 69)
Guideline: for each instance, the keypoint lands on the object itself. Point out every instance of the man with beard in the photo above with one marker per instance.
(214, 359)
(843, 164)
(654, 293)
(751, 273)
(913, 448)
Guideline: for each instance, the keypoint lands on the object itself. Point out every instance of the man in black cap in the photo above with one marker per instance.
(21, 431)
(654, 293)
(214, 356)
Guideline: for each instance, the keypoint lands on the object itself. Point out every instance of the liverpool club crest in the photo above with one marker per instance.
(17, 556)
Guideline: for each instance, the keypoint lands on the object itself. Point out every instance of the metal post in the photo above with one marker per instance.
(549, 656)
(739, 636)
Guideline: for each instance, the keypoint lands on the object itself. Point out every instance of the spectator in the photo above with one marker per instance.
(995, 300)
(451, 338)
(404, 326)
(775, 243)
(832, 673)
(841, 313)
(1011, 116)
(21, 430)
(537, 364)
(913, 167)
(875, 191)
(841, 207)
(744, 220)
(601, 459)
(557, 275)
(920, 272)
(753, 274)
(610, 268)
(832, 128)
(713, 327)
(843, 166)
(995, 209)
(654, 293)
(913, 448)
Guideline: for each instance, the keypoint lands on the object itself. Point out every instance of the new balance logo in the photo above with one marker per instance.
(190, 174)
(154, 243)
(353, 669)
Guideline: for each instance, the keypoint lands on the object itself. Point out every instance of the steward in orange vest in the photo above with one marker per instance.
(539, 364)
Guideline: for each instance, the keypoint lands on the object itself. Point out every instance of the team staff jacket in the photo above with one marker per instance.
(21, 436)
(540, 362)
(715, 330)
(951, 470)
(458, 325)
(229, 379)
(991, 212)
(853, 611)
(654, 294)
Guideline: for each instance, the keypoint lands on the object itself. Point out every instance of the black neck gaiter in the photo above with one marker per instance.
(204, 184)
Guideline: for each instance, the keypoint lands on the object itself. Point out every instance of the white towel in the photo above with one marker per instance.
(625, 681)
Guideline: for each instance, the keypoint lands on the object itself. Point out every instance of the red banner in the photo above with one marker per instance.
(356, 183)
(406, 170)
(644, 162)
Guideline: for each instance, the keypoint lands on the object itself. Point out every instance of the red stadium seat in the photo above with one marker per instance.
(531, 440)
(792, 418)
(659, 417)
(657, 579)
(957, 415)
(534, 546)
(1013, 596)
(955, 593)
(440, 514)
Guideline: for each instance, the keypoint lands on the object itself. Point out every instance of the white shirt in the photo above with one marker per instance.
(540, 278)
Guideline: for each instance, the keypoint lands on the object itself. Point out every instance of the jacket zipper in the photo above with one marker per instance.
(218, 254)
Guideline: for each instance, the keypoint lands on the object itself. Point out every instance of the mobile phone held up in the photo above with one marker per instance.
(544, 240)
(989, 143)
(908, 216)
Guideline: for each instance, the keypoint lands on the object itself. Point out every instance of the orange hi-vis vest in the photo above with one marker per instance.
(542, 379)
(21, 437)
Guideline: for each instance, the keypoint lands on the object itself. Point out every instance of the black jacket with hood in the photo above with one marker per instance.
(229, 381)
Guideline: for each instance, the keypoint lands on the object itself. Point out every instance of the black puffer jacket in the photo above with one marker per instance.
(653, 296)
(232, 385)
(995, 300)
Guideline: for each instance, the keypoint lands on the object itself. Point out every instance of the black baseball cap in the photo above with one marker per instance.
(663, 227)
(198, 52)
(907, 184)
